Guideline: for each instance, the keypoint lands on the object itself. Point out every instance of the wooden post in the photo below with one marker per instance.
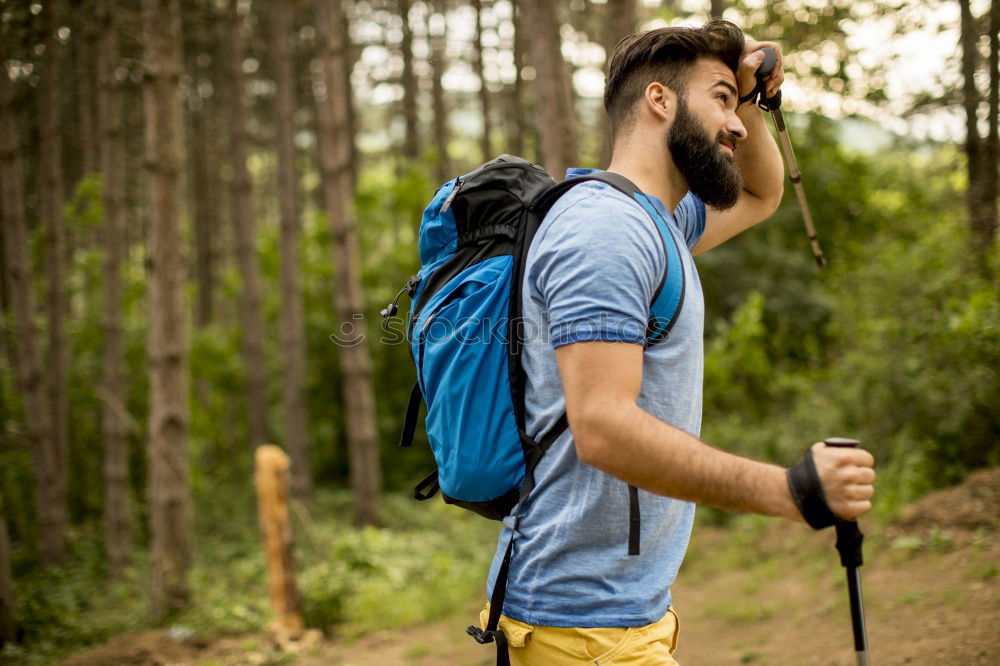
(272, 478)
(8, 632)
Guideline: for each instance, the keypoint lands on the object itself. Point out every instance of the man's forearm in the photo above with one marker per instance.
(635, 446)
(758, 157)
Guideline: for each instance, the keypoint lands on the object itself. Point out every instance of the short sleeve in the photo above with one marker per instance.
(690, 217)
(595, 265)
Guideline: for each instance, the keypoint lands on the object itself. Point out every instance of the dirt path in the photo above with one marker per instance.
(746, 596)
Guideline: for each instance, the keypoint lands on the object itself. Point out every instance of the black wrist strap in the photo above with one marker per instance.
(753, 94)
(807, 491)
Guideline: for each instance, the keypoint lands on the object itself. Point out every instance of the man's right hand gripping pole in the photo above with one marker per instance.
(831, 482)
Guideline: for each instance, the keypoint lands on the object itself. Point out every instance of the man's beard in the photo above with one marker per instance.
(711, 175)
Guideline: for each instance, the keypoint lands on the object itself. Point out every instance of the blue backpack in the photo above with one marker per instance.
(465, 328)
(465, 334)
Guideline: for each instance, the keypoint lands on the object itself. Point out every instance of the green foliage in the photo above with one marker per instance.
(429, 561)
(73, 605)
(895, 342)
(425, 562)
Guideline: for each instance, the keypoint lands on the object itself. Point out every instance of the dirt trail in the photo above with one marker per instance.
(771, 596)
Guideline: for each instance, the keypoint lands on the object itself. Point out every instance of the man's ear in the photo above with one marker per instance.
(660, 101)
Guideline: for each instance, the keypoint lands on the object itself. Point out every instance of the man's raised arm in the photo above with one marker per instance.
(758, 158)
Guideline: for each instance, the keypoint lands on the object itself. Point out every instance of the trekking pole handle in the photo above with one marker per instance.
(763, 71)
(849, 536)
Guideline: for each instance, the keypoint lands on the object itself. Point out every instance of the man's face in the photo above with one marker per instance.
(705, 134)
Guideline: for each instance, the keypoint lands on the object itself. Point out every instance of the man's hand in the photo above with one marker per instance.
(847, 476)
(753, 55)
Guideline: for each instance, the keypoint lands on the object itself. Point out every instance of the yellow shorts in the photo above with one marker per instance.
(532, 645)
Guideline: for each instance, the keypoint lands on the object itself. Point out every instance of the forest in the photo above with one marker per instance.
(206, 203)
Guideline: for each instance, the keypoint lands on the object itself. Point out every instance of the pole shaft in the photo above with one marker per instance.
(796, 177)
(857, 614)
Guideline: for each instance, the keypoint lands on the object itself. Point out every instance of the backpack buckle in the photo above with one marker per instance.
(482, 637)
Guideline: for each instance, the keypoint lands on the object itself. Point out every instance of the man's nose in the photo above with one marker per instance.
(735, 127)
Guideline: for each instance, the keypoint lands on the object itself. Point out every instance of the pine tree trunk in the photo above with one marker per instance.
(199, 31)
(203, 219)
(292, 326)
(411, 143)
(31, 382)
(169, 417)
(245, 233)
(114, 413)
(202, 191)
(991, 158)
(347, 65)
(8, 629)
(83, 61)
(520, 127)
(974, 148)
(484, 93)
(622, 19)
(436, 30)
(355, 358)
(51, 205)
(555, 116)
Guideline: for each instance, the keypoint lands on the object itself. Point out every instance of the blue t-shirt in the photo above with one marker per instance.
(591, 273)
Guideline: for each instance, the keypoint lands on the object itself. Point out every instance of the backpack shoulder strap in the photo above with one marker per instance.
(668, 298)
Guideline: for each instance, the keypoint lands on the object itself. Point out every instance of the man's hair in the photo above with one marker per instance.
(666, 56)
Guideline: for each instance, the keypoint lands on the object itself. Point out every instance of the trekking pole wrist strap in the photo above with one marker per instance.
(807, 491)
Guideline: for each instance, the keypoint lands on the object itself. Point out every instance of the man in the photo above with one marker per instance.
(574, 594)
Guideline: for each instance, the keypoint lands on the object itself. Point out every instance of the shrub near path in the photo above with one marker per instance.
(757, 592)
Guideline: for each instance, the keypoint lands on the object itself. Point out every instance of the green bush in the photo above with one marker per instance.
(427, 562)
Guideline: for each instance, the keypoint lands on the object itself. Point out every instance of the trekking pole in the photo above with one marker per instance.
(849, 538)
(773, 104)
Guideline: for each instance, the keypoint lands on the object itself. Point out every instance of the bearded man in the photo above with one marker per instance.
(710, 168)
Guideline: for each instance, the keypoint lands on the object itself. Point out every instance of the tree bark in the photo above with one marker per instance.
(292, 326)
(521, 127)
(411, 143)
(169, 417)
(83, 61)
(203, 219)
(555, 117)
(19, 281)
(991, 158)
(436, 31)
(622, 19)
(114, 412)
(355, 358)
(347, 66)
(245, 233)
(717, 8)
(52, 196)
(975, 151)
(484, 93)
(8, 628)
(199, 29)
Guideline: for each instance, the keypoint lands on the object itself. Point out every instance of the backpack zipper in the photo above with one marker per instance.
(451, 197)
(462, 180)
